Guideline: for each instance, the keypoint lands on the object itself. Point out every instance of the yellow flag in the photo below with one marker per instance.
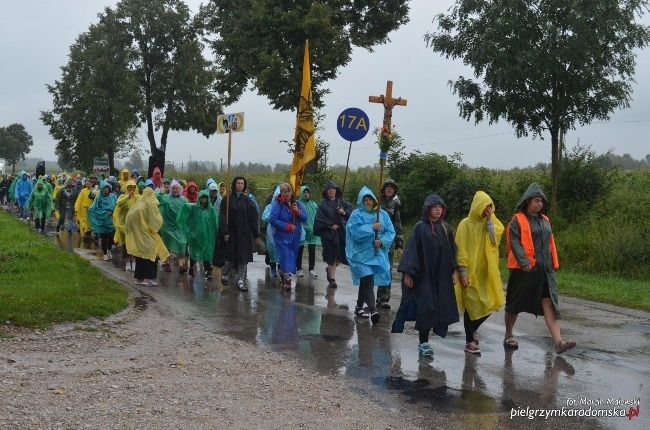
(304, 139)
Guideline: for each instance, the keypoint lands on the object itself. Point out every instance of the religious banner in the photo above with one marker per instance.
(305, 140)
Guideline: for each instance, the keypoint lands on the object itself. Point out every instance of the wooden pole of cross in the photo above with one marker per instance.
(389, 103)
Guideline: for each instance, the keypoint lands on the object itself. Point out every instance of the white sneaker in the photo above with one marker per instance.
(300, 273)
(110, 255)
(127, 267)
(312, 274)
(107, 258)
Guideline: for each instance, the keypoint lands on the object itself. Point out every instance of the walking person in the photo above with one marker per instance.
(200, 224)
(311, 240)
(477, 251)
(368, 240)
(329, 223)
(429, 271)
(172, 233)
(64, 202)
(532, 260)
(100, 214)
(40, 204)
(143, 221)
(240, 229)
(271, 257)
(22, 190)
(124, 203)
(391, 203)
(287, 216)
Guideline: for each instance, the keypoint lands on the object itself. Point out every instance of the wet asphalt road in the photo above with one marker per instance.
(607, 373)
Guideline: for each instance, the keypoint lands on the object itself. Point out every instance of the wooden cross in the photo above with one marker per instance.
(389, 103)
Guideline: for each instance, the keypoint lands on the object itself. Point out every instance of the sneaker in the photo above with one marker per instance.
(332, 284)
(208, 276)
(274, 272)
(425, 349)
(287, 285)
(383, 305)
(127, 266)
(472, 348)
(300, 273)
(224, 279)
(361, 312)
(142, 282)
(107, 258)
(109, 253)
(152, 283)
(374, 317)
(241, 285)
(312, 274)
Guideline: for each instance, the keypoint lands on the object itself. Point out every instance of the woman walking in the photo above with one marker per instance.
(287, 216)
(477, 243)
(532, 260)
(368, 240)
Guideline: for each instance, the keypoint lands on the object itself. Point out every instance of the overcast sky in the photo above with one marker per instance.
(35, 36)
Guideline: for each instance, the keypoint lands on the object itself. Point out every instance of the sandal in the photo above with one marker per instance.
(563, 346)
(510, 342)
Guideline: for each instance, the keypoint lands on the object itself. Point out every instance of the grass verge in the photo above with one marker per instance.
(602, 288)
(41, 284)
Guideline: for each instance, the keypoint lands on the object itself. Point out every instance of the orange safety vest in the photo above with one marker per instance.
(527, 243)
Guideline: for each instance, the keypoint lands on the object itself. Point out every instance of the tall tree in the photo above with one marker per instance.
(175, 80)
(95, 102)
(543, 65)
(260, 42)
(15, 143)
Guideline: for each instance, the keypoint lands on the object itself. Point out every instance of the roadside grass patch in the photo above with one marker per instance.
(41, 284)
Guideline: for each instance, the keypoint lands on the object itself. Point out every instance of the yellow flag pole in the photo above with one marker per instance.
(228, 180)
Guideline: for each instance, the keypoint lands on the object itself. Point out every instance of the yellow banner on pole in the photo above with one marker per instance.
(305, 140)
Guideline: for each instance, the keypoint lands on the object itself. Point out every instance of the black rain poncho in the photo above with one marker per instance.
(430, 258)
(333, 241)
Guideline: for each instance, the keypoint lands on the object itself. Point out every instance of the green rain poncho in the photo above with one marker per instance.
(172, 233)
(200, 223)
(310, 207)
(40, 201)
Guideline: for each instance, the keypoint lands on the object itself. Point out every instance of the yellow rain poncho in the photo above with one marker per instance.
(142, 222)
(480, 256)
(124, 203)
(81, 209)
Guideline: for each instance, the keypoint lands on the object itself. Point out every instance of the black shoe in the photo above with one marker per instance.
(374, 317)
(208, 276)
(383, 305)
(332, 284)
(361, 312)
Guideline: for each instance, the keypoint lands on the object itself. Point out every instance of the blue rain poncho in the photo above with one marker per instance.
(360, 236)
(100, 212)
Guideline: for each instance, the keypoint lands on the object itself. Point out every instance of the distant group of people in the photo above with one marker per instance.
(161, 220)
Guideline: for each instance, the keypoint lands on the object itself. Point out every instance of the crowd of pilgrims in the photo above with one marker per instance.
(179, 226)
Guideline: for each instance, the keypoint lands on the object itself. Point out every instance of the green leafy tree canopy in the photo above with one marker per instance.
(15, 143)
(543, 65)
(261, 42)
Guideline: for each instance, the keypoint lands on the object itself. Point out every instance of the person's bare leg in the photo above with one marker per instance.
(510, 320)
(550, 316)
